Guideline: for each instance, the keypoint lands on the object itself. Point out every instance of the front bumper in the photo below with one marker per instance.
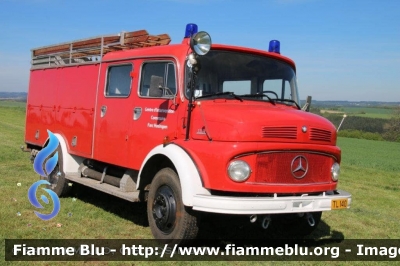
(269, 205)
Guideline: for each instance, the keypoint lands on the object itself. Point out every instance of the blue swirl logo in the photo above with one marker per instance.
(32, 198)
(44, 164)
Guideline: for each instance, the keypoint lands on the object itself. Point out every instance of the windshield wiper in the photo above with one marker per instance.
(259, 94)
(221, 94)
(289, 101)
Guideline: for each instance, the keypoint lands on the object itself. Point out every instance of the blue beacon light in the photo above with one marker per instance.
(191, 29)
(274, 47)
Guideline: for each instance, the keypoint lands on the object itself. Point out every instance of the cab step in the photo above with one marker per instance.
(104, 187)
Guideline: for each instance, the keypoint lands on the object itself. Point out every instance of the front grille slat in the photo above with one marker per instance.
(279, 132)
(317, 134)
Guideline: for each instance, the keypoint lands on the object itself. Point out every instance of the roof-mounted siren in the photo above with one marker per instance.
(274, 47)
(191, 29)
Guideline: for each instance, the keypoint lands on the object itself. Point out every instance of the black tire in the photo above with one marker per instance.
(293, 224)
(170, 221)
(56, 178)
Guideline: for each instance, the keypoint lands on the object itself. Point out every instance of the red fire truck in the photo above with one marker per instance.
(190, 128)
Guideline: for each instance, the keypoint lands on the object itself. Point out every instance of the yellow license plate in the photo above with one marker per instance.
(339, 204)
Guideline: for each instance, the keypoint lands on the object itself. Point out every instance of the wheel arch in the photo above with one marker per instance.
(179, 160)
(154, 164)
(70, 162)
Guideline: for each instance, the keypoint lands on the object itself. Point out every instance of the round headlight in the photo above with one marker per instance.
(335, 171)
(201, 43)
(239, 171)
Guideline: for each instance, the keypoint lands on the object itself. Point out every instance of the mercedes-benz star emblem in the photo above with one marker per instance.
(299, 166)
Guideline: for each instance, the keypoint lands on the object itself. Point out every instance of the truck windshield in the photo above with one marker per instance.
(246, 76)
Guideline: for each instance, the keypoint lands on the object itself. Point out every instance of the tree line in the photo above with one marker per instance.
(366, 127)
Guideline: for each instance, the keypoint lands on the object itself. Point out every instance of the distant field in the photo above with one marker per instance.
(370, 170)
(8, 103)
(372, 112)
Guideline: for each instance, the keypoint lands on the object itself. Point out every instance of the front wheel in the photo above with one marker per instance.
(169, 220)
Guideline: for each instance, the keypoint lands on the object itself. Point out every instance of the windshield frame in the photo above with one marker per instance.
(264, 60)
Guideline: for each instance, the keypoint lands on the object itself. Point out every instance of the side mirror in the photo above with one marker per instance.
(307, 106)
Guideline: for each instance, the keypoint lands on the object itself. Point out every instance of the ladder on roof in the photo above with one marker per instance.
(92, 49)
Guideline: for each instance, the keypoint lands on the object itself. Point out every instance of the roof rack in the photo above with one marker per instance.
(92, 49)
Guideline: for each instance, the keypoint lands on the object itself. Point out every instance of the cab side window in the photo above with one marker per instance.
(119, 81)
(158, 79)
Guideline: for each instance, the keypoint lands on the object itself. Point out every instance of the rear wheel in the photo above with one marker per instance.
(56, 178)
(169, 220)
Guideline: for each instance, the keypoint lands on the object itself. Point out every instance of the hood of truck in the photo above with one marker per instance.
(234, 120)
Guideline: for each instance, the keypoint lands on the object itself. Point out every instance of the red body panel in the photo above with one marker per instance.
(62, 100)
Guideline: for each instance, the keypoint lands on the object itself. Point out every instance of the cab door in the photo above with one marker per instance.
(114, 110)
(155, 112)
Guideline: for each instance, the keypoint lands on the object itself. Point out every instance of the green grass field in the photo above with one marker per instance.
(370, 171)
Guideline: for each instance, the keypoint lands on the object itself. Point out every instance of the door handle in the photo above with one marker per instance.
(137, 112)
(103, 110)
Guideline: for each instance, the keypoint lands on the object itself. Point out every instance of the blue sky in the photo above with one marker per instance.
(344, 50)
